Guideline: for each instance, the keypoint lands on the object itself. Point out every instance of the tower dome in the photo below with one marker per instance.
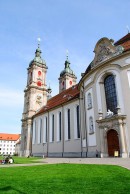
(38, 59)
(67, 77)
(67, 69)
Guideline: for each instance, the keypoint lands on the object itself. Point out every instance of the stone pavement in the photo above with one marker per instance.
(124, 162)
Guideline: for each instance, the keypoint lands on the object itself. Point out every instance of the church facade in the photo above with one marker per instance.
(87, 119)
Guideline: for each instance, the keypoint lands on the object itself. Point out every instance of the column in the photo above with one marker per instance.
(122, 137)
(102, 141)
(29, 137)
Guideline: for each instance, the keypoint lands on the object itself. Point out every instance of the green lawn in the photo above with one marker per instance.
(65, 178)
(24, 160)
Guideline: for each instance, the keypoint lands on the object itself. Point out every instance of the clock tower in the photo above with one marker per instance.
(35, 96)
(67, 77)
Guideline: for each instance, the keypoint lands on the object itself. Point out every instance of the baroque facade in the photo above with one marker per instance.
(84, 119)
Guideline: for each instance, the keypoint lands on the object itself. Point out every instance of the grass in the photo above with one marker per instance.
(24, 160)
(65, 179)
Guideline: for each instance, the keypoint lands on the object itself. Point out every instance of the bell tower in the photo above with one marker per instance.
(67, 77)
(35, 96)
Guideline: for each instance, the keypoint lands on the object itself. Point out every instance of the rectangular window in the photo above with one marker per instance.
(69, 124)
(52, 127)
(34, 132)
(46, 129)
(77, 115)
(40, 130)
(59, 126)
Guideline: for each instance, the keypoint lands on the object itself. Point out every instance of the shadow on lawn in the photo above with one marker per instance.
(9, 188)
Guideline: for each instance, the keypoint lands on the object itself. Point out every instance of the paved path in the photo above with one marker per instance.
(124, 162)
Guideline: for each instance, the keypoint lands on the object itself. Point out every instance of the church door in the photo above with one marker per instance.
(112, 142)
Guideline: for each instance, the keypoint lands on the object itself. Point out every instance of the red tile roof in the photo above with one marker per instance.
(125, 42)
(58, 100)
(9, 137)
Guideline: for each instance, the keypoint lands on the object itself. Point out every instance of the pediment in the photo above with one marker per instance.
(104, 50)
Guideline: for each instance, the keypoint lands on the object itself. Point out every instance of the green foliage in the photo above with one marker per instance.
(65, 179)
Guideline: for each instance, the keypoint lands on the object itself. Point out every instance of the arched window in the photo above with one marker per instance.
(110, 92)
(89, 99)
(91, 127)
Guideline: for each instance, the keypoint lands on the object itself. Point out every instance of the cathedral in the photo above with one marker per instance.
(86, 119)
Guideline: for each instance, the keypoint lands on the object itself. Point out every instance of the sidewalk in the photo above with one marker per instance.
(124, 162)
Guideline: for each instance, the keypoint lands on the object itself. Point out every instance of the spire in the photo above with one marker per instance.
(38, 50)
(38, 40)
(67, 53)
(38, 59)
(67, 68)
(67, 77)
(49, 90)
(67, 63)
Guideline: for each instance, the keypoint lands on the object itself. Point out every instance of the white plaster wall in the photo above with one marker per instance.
(87, 81)
(128, 74)
(90, 113)
(74, 144)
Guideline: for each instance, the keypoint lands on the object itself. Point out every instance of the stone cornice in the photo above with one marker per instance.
(35, 87)
(108, 62)
(112, 118)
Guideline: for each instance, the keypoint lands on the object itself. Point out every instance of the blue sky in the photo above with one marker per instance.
(75, 25)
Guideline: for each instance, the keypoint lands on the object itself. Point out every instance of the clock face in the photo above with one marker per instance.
(70, 82)
(39, 83)
(39, 73)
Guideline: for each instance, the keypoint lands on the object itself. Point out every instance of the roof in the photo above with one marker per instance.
(125, 42)
(19, 142)
(58, 100)
(9, 137)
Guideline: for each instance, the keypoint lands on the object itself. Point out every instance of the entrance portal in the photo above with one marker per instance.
(112, 142)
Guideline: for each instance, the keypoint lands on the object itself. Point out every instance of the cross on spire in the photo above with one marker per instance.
(67, 52)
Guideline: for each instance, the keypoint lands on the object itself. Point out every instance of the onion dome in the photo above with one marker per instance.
(67, 69)
(38, 60)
